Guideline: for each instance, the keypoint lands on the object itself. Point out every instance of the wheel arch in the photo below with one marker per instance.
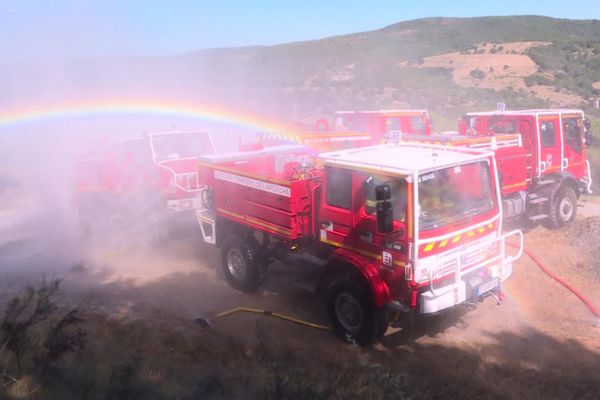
(568, 180)
(226, 228)
(562, 179)
(343, 260)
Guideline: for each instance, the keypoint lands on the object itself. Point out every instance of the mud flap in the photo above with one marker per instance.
(208, 225)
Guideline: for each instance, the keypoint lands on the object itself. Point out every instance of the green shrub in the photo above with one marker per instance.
(477, 74)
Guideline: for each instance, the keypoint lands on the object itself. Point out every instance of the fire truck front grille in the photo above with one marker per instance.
(476, 255)
(188, 182)
(445, 268)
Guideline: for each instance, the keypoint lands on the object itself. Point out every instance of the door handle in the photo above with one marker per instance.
(366, 236)
(327, 225)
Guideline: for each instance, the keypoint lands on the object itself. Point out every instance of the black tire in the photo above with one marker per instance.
(352, 313)
(563, 208)
(240, 266)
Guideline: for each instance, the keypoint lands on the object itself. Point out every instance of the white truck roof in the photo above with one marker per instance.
(403, 158)
(547, 111)
(408, 111)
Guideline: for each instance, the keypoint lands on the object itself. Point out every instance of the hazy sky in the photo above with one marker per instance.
(59, 28)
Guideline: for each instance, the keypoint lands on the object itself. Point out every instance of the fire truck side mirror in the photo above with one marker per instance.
(385, 217)
(385, 211)
(589, 136)
(383, 192)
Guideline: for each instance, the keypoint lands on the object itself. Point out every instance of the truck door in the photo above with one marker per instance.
(525, 129)
(366, 237)
(573, 152)
(335, 212)
(550, 144)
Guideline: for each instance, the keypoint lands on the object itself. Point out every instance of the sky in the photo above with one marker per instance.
(41, 29)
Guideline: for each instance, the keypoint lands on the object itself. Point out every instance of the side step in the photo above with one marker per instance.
(546, 182)
(538, 217)
(535, 199)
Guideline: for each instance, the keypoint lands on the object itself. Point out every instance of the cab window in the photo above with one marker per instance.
(393, 125)
(339, 188)
(417, 125)
(502, 126)
(548, 134)
(572, 131)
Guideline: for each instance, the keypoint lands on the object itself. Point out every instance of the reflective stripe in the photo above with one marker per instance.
(429, 247)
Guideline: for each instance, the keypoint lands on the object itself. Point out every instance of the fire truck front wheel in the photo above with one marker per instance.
(351, 311)
(240, 264)
(563, 208)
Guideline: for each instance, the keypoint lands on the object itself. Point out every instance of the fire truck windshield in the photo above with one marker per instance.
(170, 146)
(448, 195)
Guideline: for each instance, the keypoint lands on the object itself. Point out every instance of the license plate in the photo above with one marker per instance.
(486, 287)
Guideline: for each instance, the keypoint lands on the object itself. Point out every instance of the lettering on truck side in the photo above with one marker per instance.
(253, 183)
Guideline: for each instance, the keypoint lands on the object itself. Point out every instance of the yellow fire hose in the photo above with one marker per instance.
(203, 322)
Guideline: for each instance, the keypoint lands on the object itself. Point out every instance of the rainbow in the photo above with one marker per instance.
(174, 108)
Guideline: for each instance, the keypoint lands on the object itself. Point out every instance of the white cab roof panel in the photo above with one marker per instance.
(403, 158)
(551, 111)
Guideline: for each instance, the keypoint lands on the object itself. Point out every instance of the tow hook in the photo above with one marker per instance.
(499, 296)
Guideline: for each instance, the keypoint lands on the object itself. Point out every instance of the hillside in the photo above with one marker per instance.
(448, 65)
(391, 67)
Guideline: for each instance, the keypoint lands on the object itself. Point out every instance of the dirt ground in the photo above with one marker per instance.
(141, 303)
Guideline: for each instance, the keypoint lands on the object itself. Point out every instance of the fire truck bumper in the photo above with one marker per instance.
(445, 297)
(474, 282)
(191, 203)
(469, 288)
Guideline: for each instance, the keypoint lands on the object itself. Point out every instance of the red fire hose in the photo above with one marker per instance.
(591, 306)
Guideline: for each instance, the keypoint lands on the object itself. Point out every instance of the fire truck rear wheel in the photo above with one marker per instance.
(352, 313)
(239, 264)
(563, 208)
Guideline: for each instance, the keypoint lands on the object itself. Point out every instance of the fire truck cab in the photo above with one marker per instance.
(411, 228)
(545, 176)
(152, 178)
(350, 129)
(384, 123)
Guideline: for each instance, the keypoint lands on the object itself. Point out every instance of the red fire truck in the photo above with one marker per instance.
(541, 156)
(150, 180)
(385, 122)
(349, 129)
(410, 228)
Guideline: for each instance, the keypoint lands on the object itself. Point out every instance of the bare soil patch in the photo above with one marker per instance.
(502, 65)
